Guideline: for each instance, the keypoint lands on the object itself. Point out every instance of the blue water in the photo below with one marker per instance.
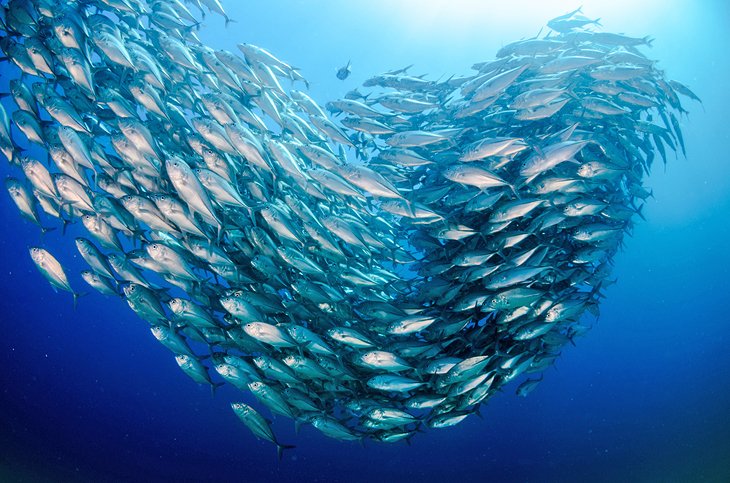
(89, 395)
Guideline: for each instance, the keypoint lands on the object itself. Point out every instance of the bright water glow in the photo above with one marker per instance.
(456, 20)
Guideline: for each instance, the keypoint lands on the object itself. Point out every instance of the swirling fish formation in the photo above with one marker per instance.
(454, 251)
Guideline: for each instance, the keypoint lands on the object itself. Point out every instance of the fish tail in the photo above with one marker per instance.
(77, 296)
(297, 426)
(639, 211)
(281, 447)
(515, 189)
(571, 338)
(17, 151)
(478, 412)
(65, 222)
(46, 229)
(215, 386)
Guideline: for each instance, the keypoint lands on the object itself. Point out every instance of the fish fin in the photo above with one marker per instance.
(539, 32)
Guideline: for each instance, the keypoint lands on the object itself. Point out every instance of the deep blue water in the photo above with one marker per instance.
(89, 395)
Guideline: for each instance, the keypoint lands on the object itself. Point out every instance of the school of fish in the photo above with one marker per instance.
(383, 263)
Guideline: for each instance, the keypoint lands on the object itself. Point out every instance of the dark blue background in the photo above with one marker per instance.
(90, 395)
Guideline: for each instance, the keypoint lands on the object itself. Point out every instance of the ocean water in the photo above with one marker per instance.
(89, 395)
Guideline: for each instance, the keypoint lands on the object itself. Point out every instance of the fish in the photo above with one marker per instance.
(344, 71)
(52, 270)
(260, 427)
(25, 201)
(269, 334)
(394, 383)
(333, 428)
(172, 340)
(372, 265)
(102, 284)
(527, 387)
(194, 369)
(571, 21)
(384, 361)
